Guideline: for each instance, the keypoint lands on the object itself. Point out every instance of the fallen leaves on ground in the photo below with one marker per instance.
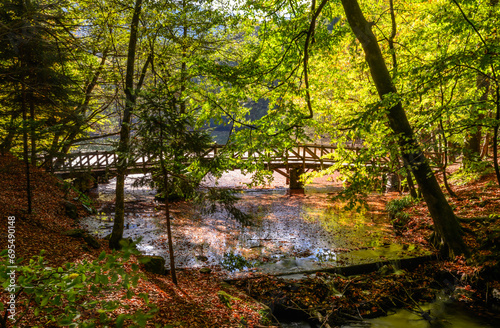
(194, 303)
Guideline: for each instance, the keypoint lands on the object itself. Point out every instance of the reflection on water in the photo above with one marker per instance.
(443, 313)
(289, 234)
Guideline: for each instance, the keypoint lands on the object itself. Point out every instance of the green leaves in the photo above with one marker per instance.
(64, 293)
(120, 320)
(102, 256)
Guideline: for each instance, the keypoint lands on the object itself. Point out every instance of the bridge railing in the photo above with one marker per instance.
(306, 154)
(97, 160)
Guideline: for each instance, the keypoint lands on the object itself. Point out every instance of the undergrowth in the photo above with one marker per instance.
(471, 174)
(395, 207)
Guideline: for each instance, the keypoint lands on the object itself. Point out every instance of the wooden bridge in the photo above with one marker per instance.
(289, 163)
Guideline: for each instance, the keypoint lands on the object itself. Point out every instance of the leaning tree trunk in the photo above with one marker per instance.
(447, 228)
(123, 146)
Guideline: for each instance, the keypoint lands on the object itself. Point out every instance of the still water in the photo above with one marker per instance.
(441, 314)
(288, 233)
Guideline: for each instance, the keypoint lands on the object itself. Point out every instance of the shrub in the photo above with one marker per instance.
(399, 219)
(61, 295)
(397, 205)
(232, 262)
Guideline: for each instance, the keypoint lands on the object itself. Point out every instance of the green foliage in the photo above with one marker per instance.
(397, 205)
(473, 172)
(61, 295)
(233, 262)
(400, 220)
(85, 200)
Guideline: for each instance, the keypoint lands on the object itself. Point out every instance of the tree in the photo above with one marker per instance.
(123, 146)
(31, 73)
(448, 233)
(165, 133)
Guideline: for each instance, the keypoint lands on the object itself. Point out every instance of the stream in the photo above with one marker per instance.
(289, 234)
(444, 312)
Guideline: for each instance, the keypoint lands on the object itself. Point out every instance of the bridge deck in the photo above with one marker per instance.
(305, 157)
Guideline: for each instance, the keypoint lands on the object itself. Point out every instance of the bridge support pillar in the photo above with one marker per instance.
(295, 182)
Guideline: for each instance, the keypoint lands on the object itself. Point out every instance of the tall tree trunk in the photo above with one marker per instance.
(472, 152)
(123, 146)
(485, 146)
(447, 228)
(167, 216)
(169, 233)
(25, 143)
(409, 180)
(6, 144)
(32, 128)
(444, 163)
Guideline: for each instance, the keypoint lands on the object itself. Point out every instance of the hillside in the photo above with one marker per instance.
(194, 303)
(205, 300)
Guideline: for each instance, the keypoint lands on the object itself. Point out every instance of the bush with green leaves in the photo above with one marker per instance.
(233, 262)
(60, 296)
(473, 172)
(395, 207)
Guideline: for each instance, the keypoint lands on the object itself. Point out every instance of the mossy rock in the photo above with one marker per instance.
(92, 242)
(75, 233)
(226, 298)
(205, 270)
(154, 264)
(70, 209)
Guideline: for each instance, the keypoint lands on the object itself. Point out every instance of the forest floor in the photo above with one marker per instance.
(205, 300)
